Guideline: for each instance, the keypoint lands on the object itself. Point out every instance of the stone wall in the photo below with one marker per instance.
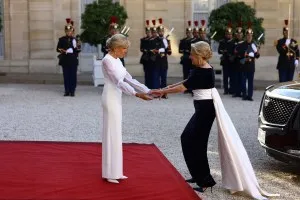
(32, 28)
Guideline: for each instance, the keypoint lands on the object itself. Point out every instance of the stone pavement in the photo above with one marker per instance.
(39, 112)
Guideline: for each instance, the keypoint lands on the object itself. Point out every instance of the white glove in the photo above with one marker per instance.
(74, 43)
(161, 50)
(251, 54)
(296, 63)
(253, 46)
(287, 42)
(165, 43)
(69, 50)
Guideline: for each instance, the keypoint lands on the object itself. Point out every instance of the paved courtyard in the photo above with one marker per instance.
(41, 113)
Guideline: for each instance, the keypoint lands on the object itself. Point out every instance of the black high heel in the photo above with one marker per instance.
(203, 189)
(191, 180)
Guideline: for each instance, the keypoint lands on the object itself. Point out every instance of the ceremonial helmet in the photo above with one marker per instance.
(196, 28)
(147, 27)
(153, 28)
(189, 28)
(229, 28)
(72, 22)
(68, 27)
(113, 23)
(286, 27)
(160, 26)
(249, 30)
(239, 28)
(202, 29)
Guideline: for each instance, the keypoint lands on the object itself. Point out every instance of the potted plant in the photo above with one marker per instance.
(95, 24)
(235, 12)
(95, 21)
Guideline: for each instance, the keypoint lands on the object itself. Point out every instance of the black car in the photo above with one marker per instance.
(279, 121)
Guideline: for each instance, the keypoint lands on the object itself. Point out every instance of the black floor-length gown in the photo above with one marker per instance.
(195, 136)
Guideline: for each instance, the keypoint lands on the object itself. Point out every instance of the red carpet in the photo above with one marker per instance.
(70, 171)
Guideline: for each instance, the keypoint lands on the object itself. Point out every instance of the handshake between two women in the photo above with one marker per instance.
(159, 93)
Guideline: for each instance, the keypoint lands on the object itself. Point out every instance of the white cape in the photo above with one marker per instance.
(237, 171)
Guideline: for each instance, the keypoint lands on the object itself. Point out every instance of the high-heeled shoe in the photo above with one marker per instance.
(191, 180)
(124, 177)
(112, 180)
(202, 189)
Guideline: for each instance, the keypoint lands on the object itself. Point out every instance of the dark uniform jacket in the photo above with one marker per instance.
(205, 40)
(247, 63)
(226, 48)
(236, 63)
(69, 59)
(155, 44)
(162, 57)
(145, 49)
(287, 54)
(185, 49)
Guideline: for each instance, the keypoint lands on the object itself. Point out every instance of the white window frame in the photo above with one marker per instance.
(212, 4)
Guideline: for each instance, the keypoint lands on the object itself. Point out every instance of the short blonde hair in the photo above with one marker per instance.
(117, 40)
(202, 50)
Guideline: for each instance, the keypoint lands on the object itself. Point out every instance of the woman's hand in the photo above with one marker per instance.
(157, 93)
(143, 96)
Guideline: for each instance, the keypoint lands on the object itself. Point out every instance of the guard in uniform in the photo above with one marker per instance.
(226, 49)
(202, 32)
(288, 56)
(236, 70)
(195, 33)
(185, 50)
(155, 44)
(145, 49)
(247, 53)
(68, 58)
(78, 42)
(162, 59)
(113, 29)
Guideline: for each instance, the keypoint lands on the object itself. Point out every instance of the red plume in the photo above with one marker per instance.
(286, 22)
(229, 24)
(202, 22)
(240, 24)
(113, 19)
(196, 23)
(147, 22)
(68, 20)
(189, 23)
(153, 22)
(249, 24)
(72, 22)
(160, 20)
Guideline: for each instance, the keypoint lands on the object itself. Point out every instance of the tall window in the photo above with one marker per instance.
(1, 33)
(201, 10)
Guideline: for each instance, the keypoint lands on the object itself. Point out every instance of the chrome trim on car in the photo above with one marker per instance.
(277, 96)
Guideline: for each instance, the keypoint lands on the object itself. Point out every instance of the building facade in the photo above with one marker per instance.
(31, 29)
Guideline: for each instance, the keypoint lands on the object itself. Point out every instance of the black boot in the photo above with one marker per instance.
(66, 94)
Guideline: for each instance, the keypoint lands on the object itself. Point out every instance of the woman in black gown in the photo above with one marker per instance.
(195, 136)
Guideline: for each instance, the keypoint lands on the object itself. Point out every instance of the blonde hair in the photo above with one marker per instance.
(201, 50)
(117, 40)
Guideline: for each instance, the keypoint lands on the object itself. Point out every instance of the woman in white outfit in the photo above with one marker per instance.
(117, 81)
(237, 171)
